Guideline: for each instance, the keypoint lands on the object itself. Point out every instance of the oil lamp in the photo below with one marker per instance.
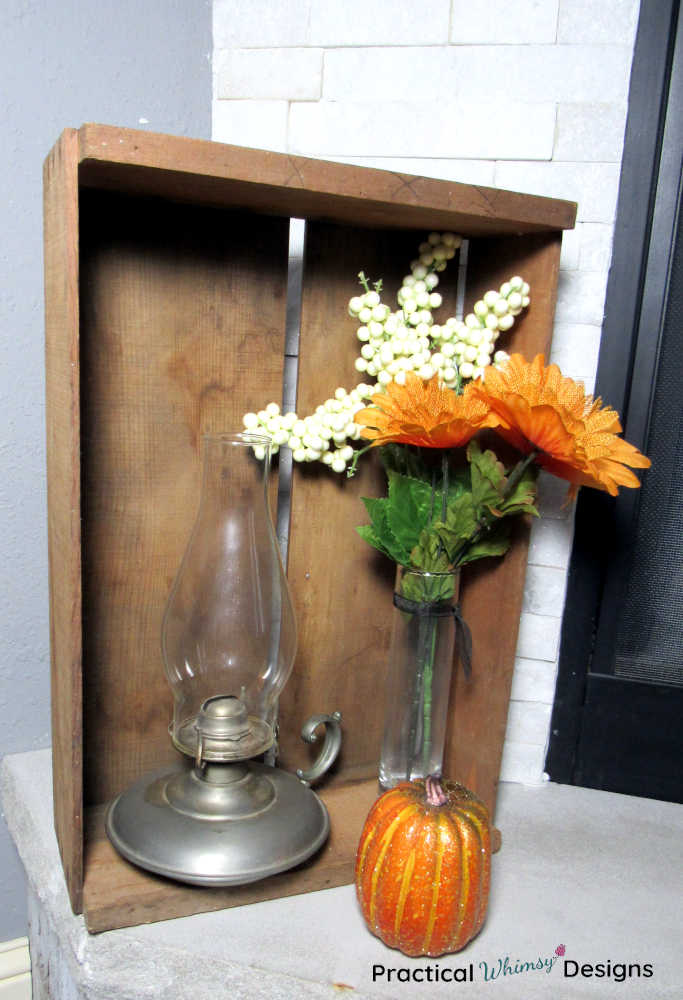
(228, 644)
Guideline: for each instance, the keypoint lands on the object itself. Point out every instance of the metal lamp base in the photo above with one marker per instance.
(222, 824)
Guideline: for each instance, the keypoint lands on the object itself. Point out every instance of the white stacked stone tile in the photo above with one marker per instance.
(539, 636)
(583, 21)
(534, 680)
(289, 74)
(259, 124)
(378, 22)
(528, 95)
(523, 762)
(575, 349)
(544, 589)
(387, 74)
(461, 129)
(261, 24)
(503, 22)
(590, 132)
(595, 246)
(551, 542)
(528, 722)
(533, 74)
(581, 297)
(571, 247)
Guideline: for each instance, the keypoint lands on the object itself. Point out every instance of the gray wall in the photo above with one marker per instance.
(62, 63)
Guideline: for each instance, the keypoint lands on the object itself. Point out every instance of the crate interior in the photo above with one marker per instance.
(183, 319)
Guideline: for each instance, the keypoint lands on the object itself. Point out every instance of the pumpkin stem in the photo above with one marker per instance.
(435, 793)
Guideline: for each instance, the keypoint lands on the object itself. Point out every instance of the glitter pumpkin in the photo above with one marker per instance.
(423, 867)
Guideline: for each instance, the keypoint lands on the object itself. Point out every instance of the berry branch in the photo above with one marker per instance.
(394, 343)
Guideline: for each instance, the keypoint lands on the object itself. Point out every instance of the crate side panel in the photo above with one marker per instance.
(63, 495)
(492, 590)
(182, 330)
(342, 587)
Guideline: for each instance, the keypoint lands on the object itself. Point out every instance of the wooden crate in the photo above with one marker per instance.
(166, 290)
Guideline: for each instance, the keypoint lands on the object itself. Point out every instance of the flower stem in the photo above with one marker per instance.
(421, 690)
(431, 640)
(351, 471)
(427, 704)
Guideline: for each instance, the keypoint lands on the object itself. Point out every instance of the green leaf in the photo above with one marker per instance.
(459, 483)
(460, 524)
(429, 554)
(383, 537)
(369, 535)
(495, 543)
(522, 499)
(409, 508)
(421, 464)
(376, 508)
(408, 525)
(488, 479)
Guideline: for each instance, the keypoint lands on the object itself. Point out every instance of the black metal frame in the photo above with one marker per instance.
(648, 198)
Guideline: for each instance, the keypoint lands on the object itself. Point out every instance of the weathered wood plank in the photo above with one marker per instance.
(64, 500)
(295, 186)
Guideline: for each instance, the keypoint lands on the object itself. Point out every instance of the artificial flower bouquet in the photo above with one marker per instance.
(438, 388)
(445, 406)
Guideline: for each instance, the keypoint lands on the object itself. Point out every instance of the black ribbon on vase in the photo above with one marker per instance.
(443, 609)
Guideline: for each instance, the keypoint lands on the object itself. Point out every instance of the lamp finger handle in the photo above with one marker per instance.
(330, 748)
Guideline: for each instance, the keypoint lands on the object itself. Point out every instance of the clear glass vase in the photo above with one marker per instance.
(419, 681)
(229, 628)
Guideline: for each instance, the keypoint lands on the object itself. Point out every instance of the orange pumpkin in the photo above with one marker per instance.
(423, 867)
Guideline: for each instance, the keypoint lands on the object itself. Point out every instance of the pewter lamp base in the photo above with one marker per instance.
(222, 824)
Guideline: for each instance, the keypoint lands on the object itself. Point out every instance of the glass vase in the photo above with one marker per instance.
(419, 680)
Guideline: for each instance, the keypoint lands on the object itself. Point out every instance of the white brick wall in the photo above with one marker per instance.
(529, 95)
(461, 129)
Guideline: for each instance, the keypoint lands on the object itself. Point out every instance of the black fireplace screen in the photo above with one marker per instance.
(650, 633)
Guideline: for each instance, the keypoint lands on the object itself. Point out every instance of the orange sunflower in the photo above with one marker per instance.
(423, 413)
(541, 410)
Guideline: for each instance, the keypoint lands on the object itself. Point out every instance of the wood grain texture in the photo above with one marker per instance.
(185, 317)
(296, 186)
(492, 590)
(64, 501)
(117, 894)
